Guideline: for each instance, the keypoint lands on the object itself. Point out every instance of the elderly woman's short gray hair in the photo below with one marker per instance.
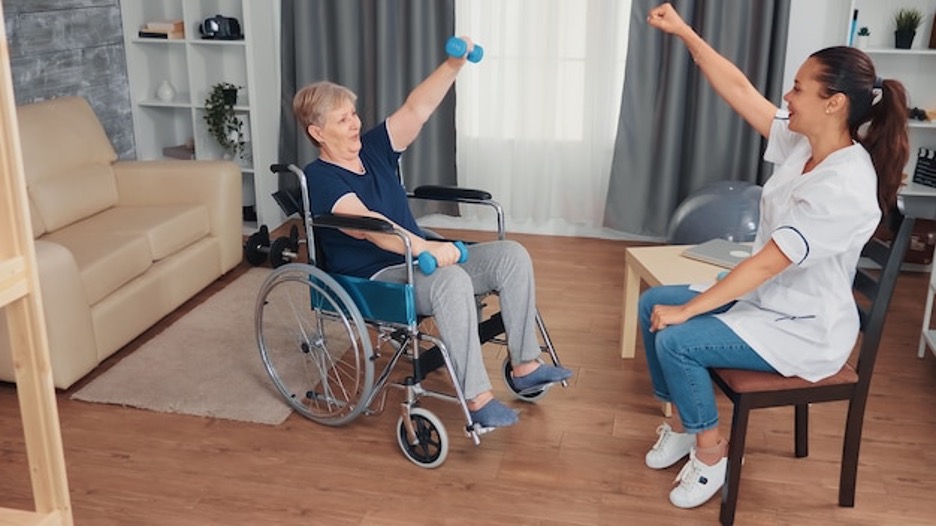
(312, 102)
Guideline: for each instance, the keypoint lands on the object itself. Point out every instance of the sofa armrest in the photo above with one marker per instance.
(72, 344)
(215, 184)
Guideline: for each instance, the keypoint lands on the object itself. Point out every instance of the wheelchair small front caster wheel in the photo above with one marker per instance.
(432, 442)
(530, 396)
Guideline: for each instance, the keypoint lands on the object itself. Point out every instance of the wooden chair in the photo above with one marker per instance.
(752, 389)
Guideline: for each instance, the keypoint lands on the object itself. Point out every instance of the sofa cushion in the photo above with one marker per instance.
(67, 160)
(86, 190)
(106, 260)
(166, 228)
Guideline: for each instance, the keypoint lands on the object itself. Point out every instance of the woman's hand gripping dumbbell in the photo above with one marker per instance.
(427, 262)
(457, 47)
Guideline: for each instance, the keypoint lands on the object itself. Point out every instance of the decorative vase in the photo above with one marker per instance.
(165, 91)
(861, 41)
(903, 39)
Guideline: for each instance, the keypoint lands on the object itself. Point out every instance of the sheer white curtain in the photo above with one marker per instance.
(536, 118)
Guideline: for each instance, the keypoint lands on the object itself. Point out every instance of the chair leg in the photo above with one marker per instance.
(739, 424)
(848, 479)
(801, 430)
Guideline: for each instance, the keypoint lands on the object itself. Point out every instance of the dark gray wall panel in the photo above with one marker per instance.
(72, 47)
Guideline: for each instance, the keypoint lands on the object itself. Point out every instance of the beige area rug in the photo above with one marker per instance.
(204, 364)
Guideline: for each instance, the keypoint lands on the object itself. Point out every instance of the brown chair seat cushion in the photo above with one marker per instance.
(742, 381)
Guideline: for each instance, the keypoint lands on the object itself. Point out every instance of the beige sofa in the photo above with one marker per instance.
(119, 244)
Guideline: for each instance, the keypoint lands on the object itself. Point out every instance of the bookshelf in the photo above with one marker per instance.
(915, 67)
(192, 65)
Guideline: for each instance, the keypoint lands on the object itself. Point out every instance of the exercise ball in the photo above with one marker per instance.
(723, 209)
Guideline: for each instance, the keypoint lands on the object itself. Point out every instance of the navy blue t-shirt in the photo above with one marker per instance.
(380, 191)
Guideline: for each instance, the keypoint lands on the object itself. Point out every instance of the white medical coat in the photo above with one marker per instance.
(804, 321)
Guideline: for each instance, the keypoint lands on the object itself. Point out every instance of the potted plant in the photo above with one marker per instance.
(223, 124)
(861, 38)
(906, 22)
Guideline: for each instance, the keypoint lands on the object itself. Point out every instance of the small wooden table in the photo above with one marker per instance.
(657, 265)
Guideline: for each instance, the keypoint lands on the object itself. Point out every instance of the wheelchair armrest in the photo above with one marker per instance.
(462, 195)
(369, 224)
(450, 193)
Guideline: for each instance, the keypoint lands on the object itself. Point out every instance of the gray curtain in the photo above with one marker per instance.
(675, 134)
(380, 49)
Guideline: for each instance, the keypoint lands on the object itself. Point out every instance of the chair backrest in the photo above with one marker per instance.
(874, 289)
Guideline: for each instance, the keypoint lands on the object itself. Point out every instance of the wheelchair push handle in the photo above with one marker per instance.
(428, 264)
(456, 47)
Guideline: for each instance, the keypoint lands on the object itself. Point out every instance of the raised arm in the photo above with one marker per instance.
(727, 80)
(405, 123)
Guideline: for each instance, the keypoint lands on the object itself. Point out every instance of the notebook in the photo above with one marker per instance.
(719, 252)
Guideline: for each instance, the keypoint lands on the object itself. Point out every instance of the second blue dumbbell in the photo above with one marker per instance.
(456, 47)
(427, 262)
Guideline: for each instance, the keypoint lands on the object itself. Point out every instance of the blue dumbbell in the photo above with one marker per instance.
(721, 275)
(456, 47)
(428, 264)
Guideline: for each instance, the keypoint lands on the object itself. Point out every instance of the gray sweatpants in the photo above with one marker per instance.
(448, 294)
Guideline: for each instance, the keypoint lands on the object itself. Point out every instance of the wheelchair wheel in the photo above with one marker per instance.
(432, 443)
(314, 344)
(507, 369)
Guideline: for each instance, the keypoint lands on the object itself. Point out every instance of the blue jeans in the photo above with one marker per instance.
(679, 356)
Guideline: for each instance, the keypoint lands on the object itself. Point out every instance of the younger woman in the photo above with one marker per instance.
(789, 307)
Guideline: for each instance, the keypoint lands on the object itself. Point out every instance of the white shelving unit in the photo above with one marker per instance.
(915, 67)
(928, 333)
(193, 65)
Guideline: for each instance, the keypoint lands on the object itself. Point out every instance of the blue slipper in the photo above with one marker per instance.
(494, 414)
(541, 377)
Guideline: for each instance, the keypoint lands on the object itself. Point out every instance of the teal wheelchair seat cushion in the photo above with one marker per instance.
(380, 300)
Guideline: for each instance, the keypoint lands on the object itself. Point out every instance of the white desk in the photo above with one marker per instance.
(918, 200)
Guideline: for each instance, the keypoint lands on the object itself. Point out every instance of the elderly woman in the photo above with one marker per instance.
(355, 174)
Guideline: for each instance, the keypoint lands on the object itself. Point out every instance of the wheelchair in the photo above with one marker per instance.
(331, 343)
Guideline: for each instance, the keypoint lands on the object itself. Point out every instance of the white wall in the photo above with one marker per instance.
(813, 25)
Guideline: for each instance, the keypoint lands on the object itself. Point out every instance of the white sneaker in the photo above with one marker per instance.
(669, 448)
(697, 482)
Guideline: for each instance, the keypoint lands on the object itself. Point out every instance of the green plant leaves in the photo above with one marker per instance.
(223, 123)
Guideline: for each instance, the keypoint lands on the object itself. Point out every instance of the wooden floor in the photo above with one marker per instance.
(575, 458)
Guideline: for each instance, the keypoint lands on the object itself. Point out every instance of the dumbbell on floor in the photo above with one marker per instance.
(281, 251)
(257, 246)
(285, 249)
(456, 47)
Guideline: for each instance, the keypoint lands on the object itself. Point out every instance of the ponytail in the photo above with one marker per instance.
(887, 141)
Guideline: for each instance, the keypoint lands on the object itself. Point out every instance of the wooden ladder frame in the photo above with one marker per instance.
(22, 306)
